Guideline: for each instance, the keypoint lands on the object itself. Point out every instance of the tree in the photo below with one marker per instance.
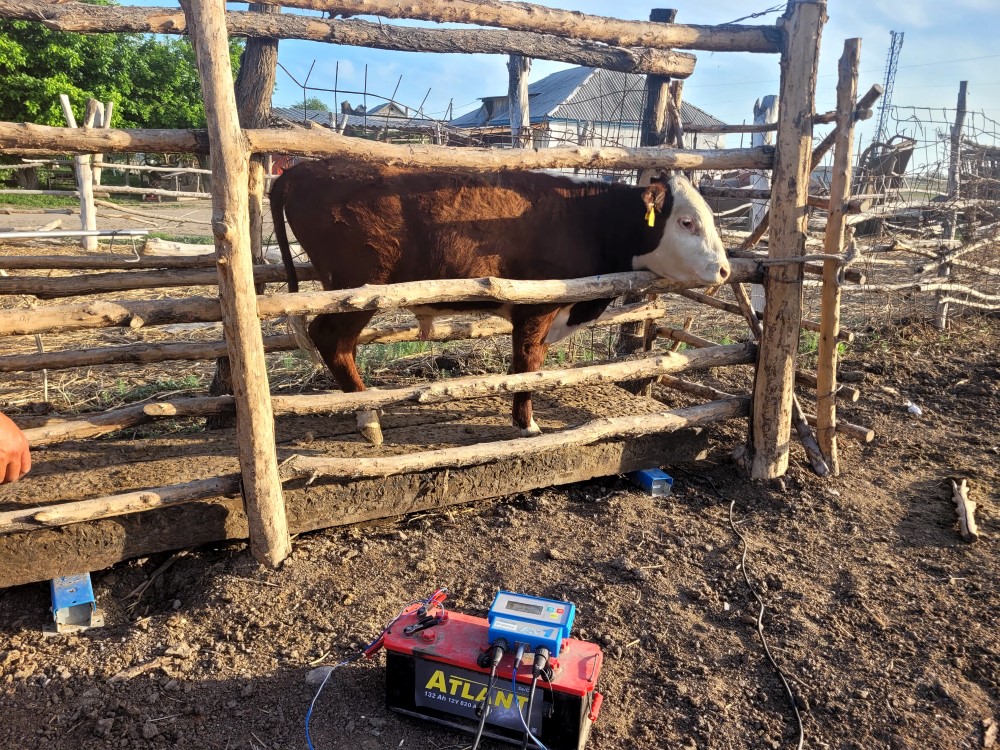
(315, 104)
(153, 82)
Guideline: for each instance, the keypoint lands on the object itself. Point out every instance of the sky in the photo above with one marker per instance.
(943, 44)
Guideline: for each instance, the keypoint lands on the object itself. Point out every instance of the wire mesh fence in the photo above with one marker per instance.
(930, 238)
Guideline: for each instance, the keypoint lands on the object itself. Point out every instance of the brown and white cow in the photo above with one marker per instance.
(362, 224)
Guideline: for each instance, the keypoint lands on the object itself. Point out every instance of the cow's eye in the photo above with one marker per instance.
(687, 223)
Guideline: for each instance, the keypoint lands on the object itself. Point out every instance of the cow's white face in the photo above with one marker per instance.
(690, 250)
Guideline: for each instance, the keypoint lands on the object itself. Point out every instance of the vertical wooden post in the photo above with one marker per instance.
(254, 84)
(230, 158)
(801, 28)
(518, 67)
(950, 225)
(955, 160)
(765, 111)
(840, 192)
(103, 120)
(652, 132)
(954, 192)
(84, 174)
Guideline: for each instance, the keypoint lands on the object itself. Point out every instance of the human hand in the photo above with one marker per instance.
(15, 457)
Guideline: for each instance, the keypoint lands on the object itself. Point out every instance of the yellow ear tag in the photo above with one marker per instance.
(650, 215)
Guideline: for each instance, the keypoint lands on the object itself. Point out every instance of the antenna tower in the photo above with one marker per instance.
(891, 63)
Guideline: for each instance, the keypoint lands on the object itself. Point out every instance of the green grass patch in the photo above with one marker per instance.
(188, 239)
(39, 201)
(123, 393)
(376, 356)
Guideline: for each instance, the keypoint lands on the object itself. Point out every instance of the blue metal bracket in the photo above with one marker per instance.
(74, 607)
(654, 481)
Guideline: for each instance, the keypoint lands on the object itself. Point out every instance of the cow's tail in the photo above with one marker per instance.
(278, 192)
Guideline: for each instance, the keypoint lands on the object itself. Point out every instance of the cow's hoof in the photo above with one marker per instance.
(531, 430)
(369, 427)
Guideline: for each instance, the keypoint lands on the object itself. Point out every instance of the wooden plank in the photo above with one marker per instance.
(319, 142)
(230, 159)
(76, 17)
(48, 287)
(454, 329)
(529, 17)
(137, 313)
(773, 387)
(840, 191)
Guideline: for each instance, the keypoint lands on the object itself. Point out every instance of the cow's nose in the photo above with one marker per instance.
(724, 272)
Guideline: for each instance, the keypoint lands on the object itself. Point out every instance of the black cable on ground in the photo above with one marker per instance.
(531, 702)
(499, 648)
(760, 624)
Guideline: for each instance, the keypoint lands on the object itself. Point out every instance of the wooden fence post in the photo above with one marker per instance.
(254, 86)
(955, 157)
(954, 192)
(765, 112)
(518, 67)
(840, 192)
(652, 132)
(230, 158)
(84, 174)
(801, 28)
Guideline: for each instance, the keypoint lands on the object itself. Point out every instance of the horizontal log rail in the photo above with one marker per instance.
(856, 432)
(104, 262)
(854, 206)
(335, 402)
(111, 190)
(146, 353)
(318, 142)
(732, 307)
(768, 127)
(802, 377)
(138, 313)
(45, 287)
(110, 506)
(82, 18)
(522, 16)
(471, 455)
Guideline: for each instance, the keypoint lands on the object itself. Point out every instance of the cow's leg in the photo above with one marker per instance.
(531, 325)
(336, 337)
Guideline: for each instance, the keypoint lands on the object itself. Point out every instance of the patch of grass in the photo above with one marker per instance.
(39, 201)
(190, 239)
(123, 393)
(809, 343)
(376, 356)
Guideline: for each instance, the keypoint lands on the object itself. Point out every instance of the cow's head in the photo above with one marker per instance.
(690, 249)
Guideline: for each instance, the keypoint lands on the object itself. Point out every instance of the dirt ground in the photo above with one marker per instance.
(883, 619)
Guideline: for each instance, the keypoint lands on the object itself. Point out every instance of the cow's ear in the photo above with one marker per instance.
(655, 195)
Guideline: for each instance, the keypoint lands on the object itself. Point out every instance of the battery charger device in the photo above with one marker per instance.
(516, 676)
(470, 675)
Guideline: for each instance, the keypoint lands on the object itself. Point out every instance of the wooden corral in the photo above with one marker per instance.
(426, 478)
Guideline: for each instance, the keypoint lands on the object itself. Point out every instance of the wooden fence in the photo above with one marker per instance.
(774, 406)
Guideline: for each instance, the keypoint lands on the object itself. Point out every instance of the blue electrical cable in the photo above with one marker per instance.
(520, 715)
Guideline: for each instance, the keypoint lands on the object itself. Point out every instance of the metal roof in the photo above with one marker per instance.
(581, 93)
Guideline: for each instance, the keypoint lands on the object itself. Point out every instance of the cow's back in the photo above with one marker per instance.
(362, 223)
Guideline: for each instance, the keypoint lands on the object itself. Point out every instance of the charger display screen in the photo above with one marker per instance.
(528, 609)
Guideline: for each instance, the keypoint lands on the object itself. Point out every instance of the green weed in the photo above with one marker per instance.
(123, 393)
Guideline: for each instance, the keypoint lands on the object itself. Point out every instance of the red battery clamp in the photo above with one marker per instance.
(435, 670)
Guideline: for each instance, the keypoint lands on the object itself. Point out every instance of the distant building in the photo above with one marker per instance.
(582, 106)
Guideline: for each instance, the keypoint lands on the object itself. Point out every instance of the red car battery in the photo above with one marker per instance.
(436, 674)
